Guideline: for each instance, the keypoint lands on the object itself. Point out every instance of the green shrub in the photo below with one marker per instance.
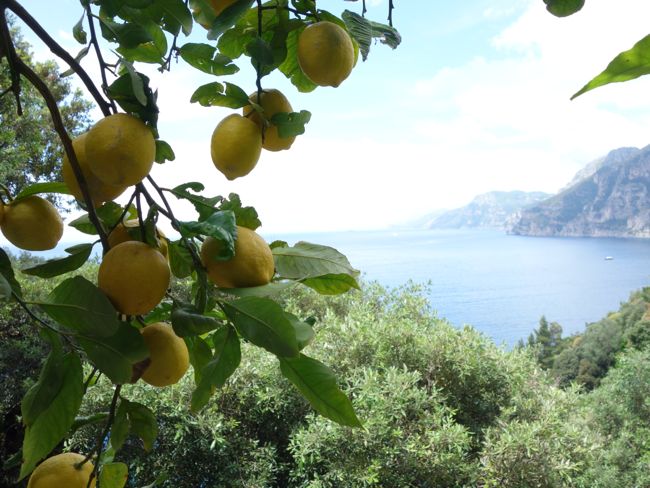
(409, 439)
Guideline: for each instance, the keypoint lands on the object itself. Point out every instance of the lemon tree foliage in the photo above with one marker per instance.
(125, 324)
(626, 66)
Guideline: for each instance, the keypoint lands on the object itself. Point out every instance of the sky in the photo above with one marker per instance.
(475, 99)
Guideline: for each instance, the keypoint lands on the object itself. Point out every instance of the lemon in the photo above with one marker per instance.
(120, 150)
(236, 146)
(325, 53)
(168, 355)
(273, 102)
(2, 211)
(134, 276)
(32, 224)
(121, 234)
(252, 264)
(60, 471)
(100, 192)
(220, 5)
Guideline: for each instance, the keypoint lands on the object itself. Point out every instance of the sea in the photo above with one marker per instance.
(498, 283)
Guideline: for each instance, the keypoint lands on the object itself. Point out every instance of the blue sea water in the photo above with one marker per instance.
(498, 283)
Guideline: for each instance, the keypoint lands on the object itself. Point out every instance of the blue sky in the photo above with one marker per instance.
(475, 99)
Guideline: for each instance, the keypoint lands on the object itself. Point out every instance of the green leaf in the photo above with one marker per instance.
(304, 331)
(128, 93)
(153, 51)
(268, 290)
(45, 390)
(164, 152)
(120, 427)
(212, 94)
(177, 10)
(364, 31)
(332, 284)
(306, 260)
(143, 423)
(188, 321)
(137, 419)
(290, 67)
(207, 59)
(80, 55)
(55, 267)
(53, 422)
(628, 65)
(7, 272)
(317, 384)
(116, 355)
(5, 288)
(291, 124)
(563, 8)
(264, 323)
(200, 355)
(224, 362)
(244, 216)
(228, 17)
(48, 187)
(180, 259)
(233, 42)
(220, 225)
(127, 35)
(260, 52)
(113, 475)
(78, 31)
(79, 305)
(204, 206)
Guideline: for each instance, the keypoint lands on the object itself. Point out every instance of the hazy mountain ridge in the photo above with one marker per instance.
(494, 209)
(612, 201)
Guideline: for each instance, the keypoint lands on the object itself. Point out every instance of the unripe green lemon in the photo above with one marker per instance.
(325, 53)
(32, 224)
(120, 150)
(252, 264)
(60, 471)
(273, 102)
(236, 146)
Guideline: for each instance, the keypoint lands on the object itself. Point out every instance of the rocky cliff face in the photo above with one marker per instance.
(489, 210)
(612, 201)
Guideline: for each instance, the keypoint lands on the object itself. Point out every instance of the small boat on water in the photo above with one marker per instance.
(608, 258)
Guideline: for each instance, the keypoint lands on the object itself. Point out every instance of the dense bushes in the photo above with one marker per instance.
(441, 407)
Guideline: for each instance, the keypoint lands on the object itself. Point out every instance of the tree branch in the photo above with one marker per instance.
(18, 9)
(24, 70)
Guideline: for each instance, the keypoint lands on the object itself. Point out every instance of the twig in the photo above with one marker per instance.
(17, 9)
(100, 58)
(390, 12)
(364, 9)
(89, 379)
(100, 439)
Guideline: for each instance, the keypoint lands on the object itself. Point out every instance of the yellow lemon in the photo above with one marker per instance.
(236, 146)
(60, 471)
(2, 211)
(168, 355)
(252, 264)
(100, 192)
(121, 234)
(32, 224)
(273, 102)
(134, 276)
(325, 53)
(220, 5)
(120, 150)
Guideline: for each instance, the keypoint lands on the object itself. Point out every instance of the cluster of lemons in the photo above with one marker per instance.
(326, 55)
(117, 152)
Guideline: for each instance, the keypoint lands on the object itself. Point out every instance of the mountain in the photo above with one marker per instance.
(613, 201)
(490, 210)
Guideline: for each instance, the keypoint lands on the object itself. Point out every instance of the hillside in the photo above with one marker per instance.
(612, 201)
(489, 210)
